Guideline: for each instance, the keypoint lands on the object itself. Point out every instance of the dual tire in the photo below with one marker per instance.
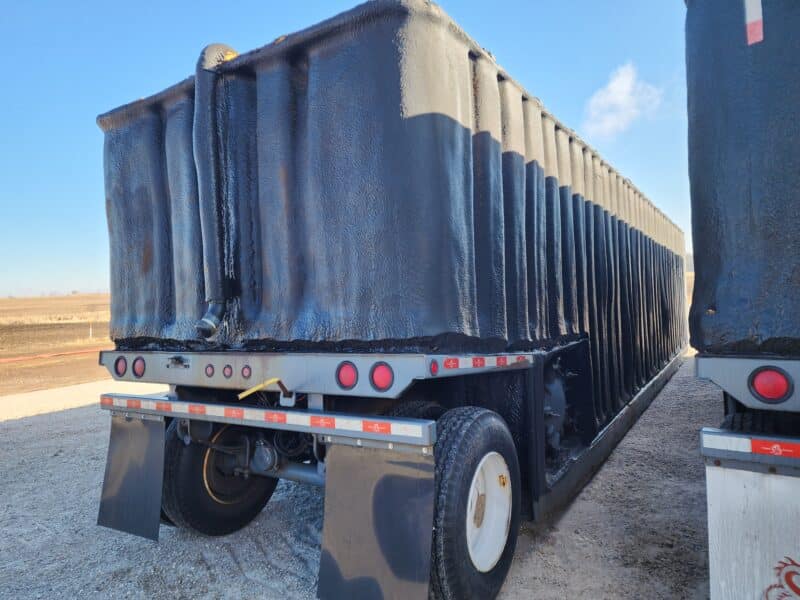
(200, 494)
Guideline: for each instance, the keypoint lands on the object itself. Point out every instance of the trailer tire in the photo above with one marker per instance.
(474, 446)
(188, 499)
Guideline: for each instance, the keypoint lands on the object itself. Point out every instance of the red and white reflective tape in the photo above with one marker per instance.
(752, 445)
(754, 20)
(465, 363)
(330, 424)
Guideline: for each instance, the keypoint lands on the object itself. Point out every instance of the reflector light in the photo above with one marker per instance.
(120, 366)
(434, 367)
(138, 366)
(381, 376)
(227, 371)
(246, 371)
(209, 370)
(770, 384)
(346, 375)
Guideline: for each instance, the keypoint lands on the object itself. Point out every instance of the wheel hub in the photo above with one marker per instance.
(221, 481)
(488, 512)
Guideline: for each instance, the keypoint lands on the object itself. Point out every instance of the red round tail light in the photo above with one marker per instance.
(138, 366)
(771, 384)
(227, 371)
(120, 366)
(346, 375)
(381, 376)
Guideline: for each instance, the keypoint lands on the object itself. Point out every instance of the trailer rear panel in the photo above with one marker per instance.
(378, 183)
(744, 122)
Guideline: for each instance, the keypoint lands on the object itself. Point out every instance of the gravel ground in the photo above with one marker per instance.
(636, 531)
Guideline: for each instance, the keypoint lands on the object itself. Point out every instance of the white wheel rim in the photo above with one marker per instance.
(488, 512)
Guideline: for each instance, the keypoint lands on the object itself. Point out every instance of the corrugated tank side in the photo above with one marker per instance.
(744, 166)
(386, 185)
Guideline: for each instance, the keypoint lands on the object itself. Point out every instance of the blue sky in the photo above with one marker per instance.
(612, 70)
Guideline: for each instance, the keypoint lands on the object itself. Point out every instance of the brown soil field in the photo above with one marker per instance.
(53, 341)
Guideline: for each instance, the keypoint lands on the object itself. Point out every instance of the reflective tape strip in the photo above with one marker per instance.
(723, 442)
(323, 422)
(465, 363)
(754, 21)
(406, 429)
(748, 445)
(349, 425)
(775, 448)
(376, 427)
(296, 419)
(234, 413)
(451, 363)
(271, 416)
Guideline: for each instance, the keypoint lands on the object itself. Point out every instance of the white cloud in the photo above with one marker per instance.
(615, 106)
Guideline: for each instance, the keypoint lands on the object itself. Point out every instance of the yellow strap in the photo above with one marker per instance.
(258, 388)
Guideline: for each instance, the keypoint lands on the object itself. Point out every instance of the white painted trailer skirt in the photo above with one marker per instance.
(753, 491)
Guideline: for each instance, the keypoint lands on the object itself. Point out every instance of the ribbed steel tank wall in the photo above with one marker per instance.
(385, 185)
(743, 61)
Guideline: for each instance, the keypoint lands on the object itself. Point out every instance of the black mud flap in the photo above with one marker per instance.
(131, 499)
(376, 540)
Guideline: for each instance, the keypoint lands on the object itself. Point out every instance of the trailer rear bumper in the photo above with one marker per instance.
(753, 486)
(734, 376)
(333, 427)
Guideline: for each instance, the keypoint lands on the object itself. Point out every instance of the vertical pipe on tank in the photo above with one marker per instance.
(206, 144)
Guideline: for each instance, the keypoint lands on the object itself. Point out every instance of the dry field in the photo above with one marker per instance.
(48, 342)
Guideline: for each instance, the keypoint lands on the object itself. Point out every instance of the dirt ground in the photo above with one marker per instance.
(51, 340)
(638, 530)
(55, 309)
